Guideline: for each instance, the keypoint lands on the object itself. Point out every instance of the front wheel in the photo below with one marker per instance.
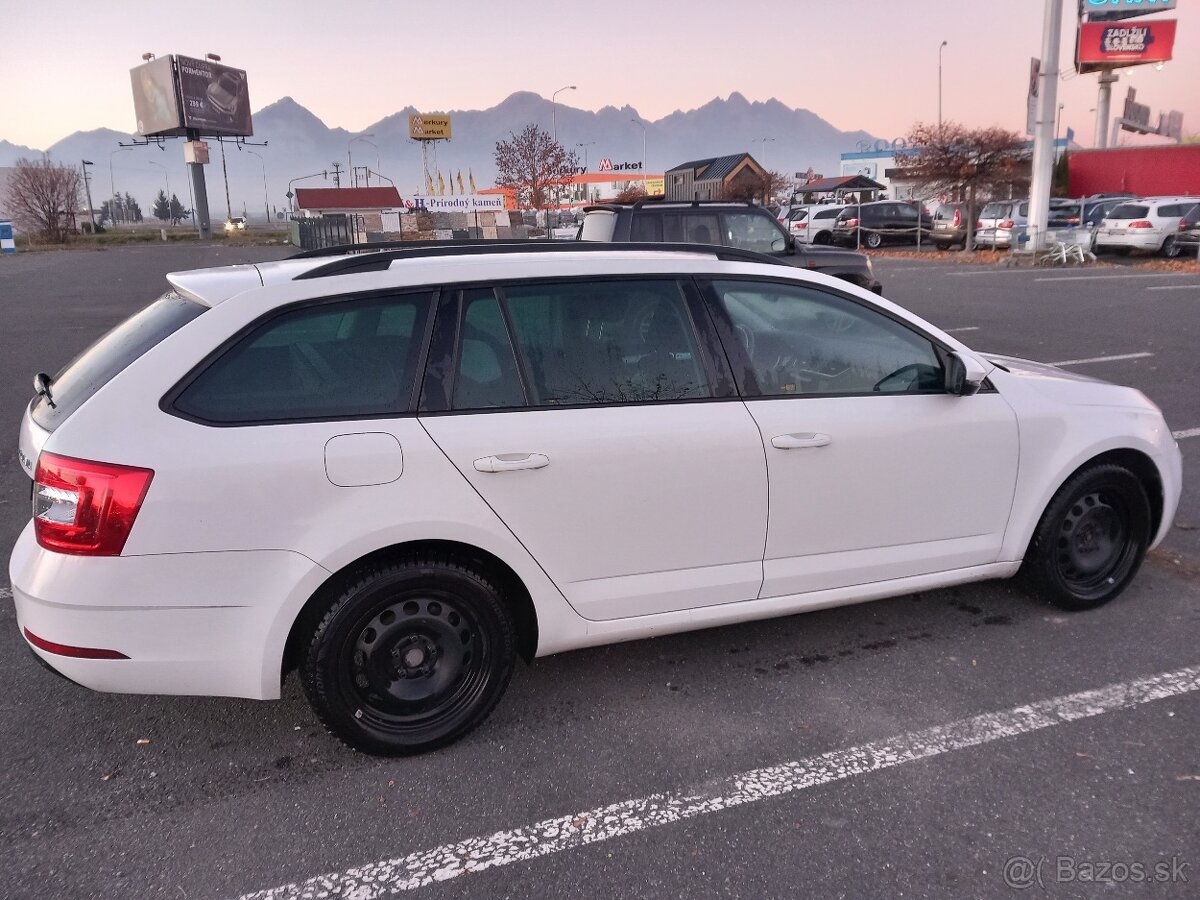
(1091, 539)
(411, 657)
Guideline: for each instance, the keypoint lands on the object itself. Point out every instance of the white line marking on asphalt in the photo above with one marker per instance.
(5, 594)
(568, 832)
(1099, 359)
(1186, 433)
(1175, 287)
(964, 328)
(1108, 277)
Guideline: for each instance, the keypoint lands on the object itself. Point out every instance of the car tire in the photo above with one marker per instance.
(410, 657)
(942, 247)
(822, 239)
(1091, 539)
(874, 240)
(1170, 249)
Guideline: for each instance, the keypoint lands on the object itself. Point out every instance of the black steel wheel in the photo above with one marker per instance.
(1091, 539)
(411, 657)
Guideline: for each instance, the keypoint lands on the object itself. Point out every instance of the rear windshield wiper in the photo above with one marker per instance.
(41, 384)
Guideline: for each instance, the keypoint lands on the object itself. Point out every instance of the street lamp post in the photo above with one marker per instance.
(764, 149)
(940, 49)
(87, 185)
(266, 202)
(553, 107)
(167, 181)
(350, 158)
(112, 186)
(642, 125)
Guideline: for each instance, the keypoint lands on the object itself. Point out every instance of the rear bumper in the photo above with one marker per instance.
(212, 624)
(1149, 239)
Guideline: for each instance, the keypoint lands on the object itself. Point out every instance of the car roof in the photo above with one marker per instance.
(215, 285)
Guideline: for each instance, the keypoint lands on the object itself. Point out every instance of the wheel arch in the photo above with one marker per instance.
(516, 594)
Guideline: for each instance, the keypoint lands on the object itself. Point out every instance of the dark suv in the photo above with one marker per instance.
(723, 224)
(883, 222)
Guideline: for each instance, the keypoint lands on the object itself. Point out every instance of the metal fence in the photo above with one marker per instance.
(327, 231)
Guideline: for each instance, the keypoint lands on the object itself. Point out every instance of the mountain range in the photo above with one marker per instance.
(299, 144)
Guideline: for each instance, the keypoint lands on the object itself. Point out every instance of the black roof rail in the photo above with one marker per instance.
(367, 260)
(659, 200)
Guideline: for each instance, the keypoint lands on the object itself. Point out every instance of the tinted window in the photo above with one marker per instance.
(798, 215)
(692, 229)
(606, 342)
(1129, 211)
(803, 341)
(487, 374)
(106, 358)
(830, 213)
(646, 228)
(752, 232)
(340, 360)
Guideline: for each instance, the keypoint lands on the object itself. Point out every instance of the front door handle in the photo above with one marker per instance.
(511, 462)
(801, 440)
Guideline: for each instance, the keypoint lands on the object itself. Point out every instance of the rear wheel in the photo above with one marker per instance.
(822, 239)
(874, 240)
(1091, 539)
(942, 247)
(1170, 249)
(411, 657)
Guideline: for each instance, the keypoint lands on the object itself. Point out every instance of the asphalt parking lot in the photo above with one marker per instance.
(958, 743)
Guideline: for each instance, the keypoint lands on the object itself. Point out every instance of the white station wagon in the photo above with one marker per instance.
(397, 471)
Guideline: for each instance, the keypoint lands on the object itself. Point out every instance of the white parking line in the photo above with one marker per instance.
(1109, 277)
(568, 832)
(1186, 433)
(1174, 287)
(964, 328)
(5, 594)
(1100, 359)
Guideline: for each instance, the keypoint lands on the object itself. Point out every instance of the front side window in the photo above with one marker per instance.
(349, 359)
(801, 340)
(606, 342)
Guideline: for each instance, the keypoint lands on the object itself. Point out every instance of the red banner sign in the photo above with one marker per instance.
(1114, 44)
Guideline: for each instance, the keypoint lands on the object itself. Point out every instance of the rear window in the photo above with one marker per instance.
(1129, 211)
(995, 211)
(345, 360)
(104, 360)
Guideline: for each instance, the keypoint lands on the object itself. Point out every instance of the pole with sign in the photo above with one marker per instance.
(1043, 136)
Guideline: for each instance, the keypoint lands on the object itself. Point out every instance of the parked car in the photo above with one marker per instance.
(997, 221)
(882, 222)
(723, 223)
(1187, 241)
(1150, 224)
(821, 219)
(950, 225)
(397, 471)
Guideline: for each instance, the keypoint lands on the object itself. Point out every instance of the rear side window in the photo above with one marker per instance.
(831, 213)
(344, 360)
(1129, 211)
(108, 357)
(646, 228)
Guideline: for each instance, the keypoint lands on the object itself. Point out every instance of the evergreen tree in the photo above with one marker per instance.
(133, 212)
(178, 213)
(162, 207)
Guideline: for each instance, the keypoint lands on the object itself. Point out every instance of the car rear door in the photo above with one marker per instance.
(599, 425)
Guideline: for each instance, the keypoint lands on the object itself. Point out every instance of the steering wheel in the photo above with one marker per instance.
(913, 370)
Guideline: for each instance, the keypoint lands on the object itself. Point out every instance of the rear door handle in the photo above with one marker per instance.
(511, 462)
(801, 440)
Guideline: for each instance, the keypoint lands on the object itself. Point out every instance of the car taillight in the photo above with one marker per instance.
(1141, 223)
(1007, 223)
(1072, 220)
(1183, 224)
(957, 218)
(86, 508)
(979, 224)
(852, 223)
(798, 225)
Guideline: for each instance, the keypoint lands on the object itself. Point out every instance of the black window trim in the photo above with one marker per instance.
(407, 408)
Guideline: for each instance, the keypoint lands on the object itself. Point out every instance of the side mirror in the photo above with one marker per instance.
(780, 244)
(964, 376)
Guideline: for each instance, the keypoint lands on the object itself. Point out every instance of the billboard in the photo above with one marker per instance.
(424, 127)
(1103, 45)
(214, 99)
(1124, 9)
(155, 102)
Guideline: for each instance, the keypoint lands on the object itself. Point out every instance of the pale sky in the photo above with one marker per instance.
(869, 64)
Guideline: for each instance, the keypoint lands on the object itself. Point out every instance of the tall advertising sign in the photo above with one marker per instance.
(424, 127)
(1103, 45)
(1109, 10)
(155, 101)
(214, 99)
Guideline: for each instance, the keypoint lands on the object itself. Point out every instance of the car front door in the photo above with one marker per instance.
(591, 417)
(875, 472)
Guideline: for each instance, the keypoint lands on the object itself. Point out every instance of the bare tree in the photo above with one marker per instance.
(533, 164)
(43, 198)
(974, 161)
